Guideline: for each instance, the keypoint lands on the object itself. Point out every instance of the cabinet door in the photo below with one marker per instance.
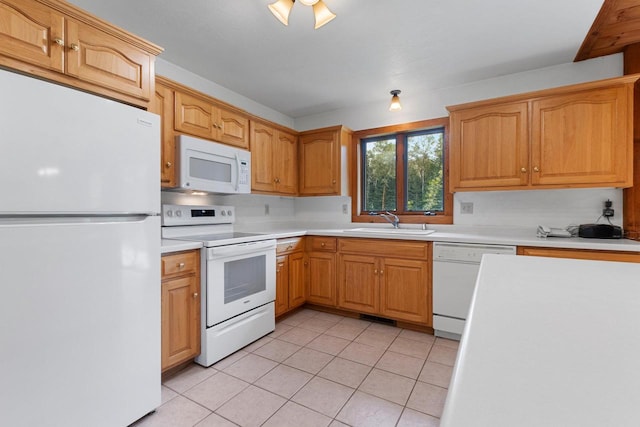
(163, 105)
(285, 163)
(319, 163)
(404, 288)
(193, 116)
(262, 155)
(296, 280)
(358, 286)
(282, 284)
(104, 60)
(489, 146)
(582, 138)
(28, 31)
(321, 278)
(232, 128)
(180, 320)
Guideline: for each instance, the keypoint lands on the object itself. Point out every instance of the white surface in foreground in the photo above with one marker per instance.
(549, 342)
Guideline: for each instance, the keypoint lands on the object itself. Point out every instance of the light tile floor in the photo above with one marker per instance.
(316, 369)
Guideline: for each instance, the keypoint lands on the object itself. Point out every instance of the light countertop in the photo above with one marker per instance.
(169, 245)
(549, 342)
(516, 236)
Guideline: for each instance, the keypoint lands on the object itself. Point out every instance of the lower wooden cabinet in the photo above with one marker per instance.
(180, 308)
(619, 256)
(391, 280)
(320, 270)
(290, 277)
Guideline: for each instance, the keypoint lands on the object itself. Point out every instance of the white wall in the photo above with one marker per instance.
(554, 208)
(509, 208)
(431, 104)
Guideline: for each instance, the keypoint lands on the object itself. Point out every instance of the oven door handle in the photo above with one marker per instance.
(242, 248)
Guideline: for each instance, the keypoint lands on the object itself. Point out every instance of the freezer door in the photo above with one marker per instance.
(68, 151)
(80, 322)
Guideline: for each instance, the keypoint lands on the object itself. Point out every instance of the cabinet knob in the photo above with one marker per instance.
(375, 271)
(58, 41)
(333, 182)
(381, 272)
(195, 295)
(523, 170)
(74, 47)
(181, 265)
(323, 244)
(535, 169)
(168, 164)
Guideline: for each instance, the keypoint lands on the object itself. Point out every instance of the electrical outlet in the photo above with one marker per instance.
(266, 209)
(345, 209)
(466, 207)
(608, 211)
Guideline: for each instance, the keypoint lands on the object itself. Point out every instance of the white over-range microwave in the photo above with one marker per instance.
(211, 167)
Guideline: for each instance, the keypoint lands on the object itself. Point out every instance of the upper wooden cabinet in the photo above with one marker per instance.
(203, 117)
(274, 168)
(577, 136)
(323, 161)
(162, 104)
(58, 41)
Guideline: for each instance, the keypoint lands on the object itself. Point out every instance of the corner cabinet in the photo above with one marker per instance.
(290, 277)
(180, 308)
(576, 136)
(55, 40)
(274, 165)
(391, 280)
(324, 161)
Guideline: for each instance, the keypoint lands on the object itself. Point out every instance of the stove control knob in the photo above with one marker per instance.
(169, 214)
(230, 213)
(223, 213)
(178, 213)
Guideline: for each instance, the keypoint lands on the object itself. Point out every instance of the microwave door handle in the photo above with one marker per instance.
(237, 173)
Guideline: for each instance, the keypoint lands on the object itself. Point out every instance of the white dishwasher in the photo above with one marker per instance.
(455, 269)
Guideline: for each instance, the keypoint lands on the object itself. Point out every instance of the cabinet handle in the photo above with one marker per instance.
(74, 47)
(58, 41)
(195, 295)
(289, 247)
(523, 170)
(535, 169)
(181, 265)
(168, 164)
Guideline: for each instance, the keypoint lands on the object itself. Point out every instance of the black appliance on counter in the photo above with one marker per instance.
(600, 231)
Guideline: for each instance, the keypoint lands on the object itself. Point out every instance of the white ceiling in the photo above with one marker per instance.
(372, 47)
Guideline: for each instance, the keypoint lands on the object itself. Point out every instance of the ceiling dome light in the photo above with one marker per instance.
(281, 10)
(395, 101)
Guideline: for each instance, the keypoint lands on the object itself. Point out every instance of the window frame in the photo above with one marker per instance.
(400, 131)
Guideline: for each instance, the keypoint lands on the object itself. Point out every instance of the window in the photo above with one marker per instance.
(402, 169)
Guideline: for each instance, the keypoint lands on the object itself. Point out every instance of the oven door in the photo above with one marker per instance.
(239, 278)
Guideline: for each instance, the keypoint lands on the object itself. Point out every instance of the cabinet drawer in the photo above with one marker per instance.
(180, 263)
(323, 244)
(293, 244)
(401, 249)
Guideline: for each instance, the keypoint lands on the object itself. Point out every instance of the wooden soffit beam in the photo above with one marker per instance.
(616, 26)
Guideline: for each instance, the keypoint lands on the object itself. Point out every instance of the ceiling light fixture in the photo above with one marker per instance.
(395, 101)
(282, 8)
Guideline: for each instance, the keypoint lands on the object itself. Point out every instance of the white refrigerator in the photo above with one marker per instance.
(79, 257)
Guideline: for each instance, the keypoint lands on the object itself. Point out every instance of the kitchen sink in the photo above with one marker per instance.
(375, 230)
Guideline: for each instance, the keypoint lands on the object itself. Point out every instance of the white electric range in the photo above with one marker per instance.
(238, 277)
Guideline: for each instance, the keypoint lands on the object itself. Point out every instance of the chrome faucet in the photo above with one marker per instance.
(392, 218)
